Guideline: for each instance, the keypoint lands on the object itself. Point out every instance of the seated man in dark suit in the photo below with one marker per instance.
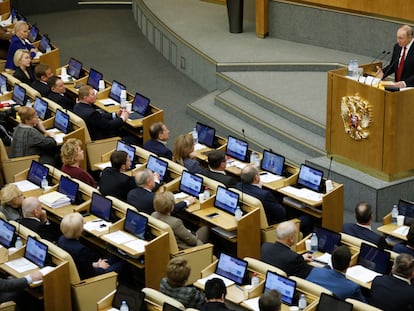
(35, 218)
(42, 73)
(113, 181)
(335, 279)
(217, 168)
(58, 93)
(280, 255)
(215, 291)
(142, 197)
(362, 229)
(252, 185)
(100, 124)
(158, 143)
(395, 292)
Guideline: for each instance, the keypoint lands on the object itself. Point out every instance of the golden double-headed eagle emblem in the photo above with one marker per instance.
(356, 116)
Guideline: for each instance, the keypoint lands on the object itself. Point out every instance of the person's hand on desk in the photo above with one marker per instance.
(35, 276)
(190, 200)
(156, 178)
(307, 257)
(101, 263)
(379, 74)
(400, 84)
(123, 114)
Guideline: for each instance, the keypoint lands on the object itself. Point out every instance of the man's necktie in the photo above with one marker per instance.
(401, 65)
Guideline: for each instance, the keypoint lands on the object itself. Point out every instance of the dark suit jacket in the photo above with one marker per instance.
(227, 180)
(214, 306)
(364, 234)
(408, 70)
(42, 88)
(82, 256)
(19, 74)
(282, 257)
(10, 288)
(100, 124)
(64, 101)
(275, 212)
(115, 183)
(158, 148)
(390, 294)
(16, 44)
(143, 200)
(47, 232)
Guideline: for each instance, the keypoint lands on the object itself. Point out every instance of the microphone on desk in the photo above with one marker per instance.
(328, 182)
(248, 153)
(378, 57)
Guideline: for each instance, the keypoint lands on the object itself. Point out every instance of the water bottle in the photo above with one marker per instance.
(44, 184)
(355, 69)
(48, 48)
(28, 103)
(238, 213)
(350, 68)
(394, 214)
(18, 242)
(302, 302)
(195, 136)
(314, 243)
(255, 280)
(255, 159)
(124, 306)
(123, 98)
(206, 193)
(3, 88)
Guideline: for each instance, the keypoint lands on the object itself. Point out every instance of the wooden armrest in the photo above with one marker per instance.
(106, 302)
(8, 306)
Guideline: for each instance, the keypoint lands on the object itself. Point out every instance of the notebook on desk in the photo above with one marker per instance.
(285, 286)
(35, 255)
(93, 78)
(328, 240)
(140, 106)
(7, 232)
(136, 224)
(74, 68)
(191, 184)
(157, 165)
(33, 33)
(114, 94)
(406, 208)
(129, 149)
(237, 149)
(330, 303)
(310, 178)
(272, 165)
(3, 83)
(36, 173)
(226, 200)
(101, 207)
(44, 44)
(40, 105)
(69, 188)
(18, 95)
(206, 135)
(62, 121)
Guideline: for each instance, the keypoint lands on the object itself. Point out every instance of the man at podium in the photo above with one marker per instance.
(402, 60)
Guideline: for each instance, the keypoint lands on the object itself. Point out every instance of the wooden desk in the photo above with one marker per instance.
(388, 229)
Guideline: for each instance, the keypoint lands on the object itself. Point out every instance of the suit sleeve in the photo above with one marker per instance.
(7, 285)
(103, 120)
(183, 233)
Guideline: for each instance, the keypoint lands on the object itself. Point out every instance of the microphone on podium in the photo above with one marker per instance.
(379, 56)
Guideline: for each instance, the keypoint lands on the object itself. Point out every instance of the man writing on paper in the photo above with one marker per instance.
(402, 60)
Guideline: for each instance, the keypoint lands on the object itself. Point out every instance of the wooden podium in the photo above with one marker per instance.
(381, 147)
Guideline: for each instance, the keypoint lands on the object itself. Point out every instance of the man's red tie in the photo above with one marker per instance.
(401, 65)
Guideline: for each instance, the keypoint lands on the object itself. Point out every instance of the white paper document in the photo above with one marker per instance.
(119, 237)
(226, 281)
(267, 177)
(303, 193)
(137, 245)
(361, 273)
(253, 303)
(21, 265)
(403, 230)
(97, 225)
(26, 185)
(109, 102)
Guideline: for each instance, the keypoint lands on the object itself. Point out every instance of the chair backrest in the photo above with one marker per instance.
(262, 267)
(174, 167)
(3, 152)
(310, 287)
(354, 241)
(155, 297)
(142, 153)
(164, 227)
(361, 306)
(23, 231)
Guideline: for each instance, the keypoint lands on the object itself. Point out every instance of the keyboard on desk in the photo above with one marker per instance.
(303, 193)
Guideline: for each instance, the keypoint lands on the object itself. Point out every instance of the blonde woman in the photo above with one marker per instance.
(23, 71)
(72, 154)
(11, 202)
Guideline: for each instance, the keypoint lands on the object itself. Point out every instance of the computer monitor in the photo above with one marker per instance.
(7, 232)
(36, 251)
(140, 104)
(231, 268)
(272, 162)
(130, 150)
(62, 121)
(40, 105)
(237, 149)
(406, 208)
(19, 94)
(285, 286)
(33, 33)
(191, 184)
(226, 200)
(136, 224)
(115, 92)
(310, 177)
(157, 166)
(331, 303)
(94, 78)
(69, 188)
(3, 82)
(374, 258)
(167, 307)
(74, 68)
(36, 173)
(328, 240)
(206, 134)
(101, 206)
(44, 43)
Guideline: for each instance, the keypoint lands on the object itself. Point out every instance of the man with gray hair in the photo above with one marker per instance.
(252, 185)
(142, 197)
(35, 219)
(270, 301)
(280, 255)
(394, 291)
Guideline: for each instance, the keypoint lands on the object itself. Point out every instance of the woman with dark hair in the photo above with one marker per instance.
(184, 154)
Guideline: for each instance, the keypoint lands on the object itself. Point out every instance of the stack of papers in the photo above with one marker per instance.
(21, 265)
(361, 273)
(267, 177)
(54, 199)
(26, 185)
(403, 230)
(303, 193)
(128, 240)
(226, 281)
